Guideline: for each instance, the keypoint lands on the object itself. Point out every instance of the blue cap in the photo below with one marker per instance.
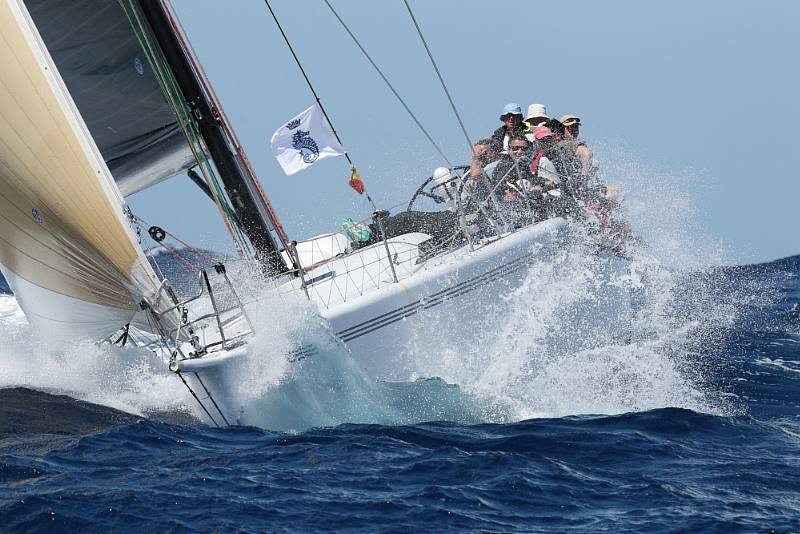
(511, 109)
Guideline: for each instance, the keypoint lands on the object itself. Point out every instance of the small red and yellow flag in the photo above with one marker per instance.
(356, 183)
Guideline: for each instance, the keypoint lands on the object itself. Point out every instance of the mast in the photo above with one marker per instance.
(253, 216)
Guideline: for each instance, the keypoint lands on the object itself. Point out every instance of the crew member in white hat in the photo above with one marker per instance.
(572, 145)
(537, 115)
(572, 126)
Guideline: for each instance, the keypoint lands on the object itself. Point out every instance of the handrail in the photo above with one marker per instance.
(165, 283)
(173, 340)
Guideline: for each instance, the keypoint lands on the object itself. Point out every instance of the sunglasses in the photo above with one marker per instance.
(516, 148)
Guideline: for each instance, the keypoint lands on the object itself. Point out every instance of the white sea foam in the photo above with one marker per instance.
(129, 379)
(550, 347)
(561, 349)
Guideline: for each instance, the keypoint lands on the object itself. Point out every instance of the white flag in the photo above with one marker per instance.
(304, 140)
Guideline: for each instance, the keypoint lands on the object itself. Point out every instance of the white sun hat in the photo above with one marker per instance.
(536, 111)
(569, 120)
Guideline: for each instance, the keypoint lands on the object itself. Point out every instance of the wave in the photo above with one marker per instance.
(546, 350)
(578, 472)
(541, 362)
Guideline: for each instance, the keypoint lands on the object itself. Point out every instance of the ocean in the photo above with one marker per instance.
(691, 424)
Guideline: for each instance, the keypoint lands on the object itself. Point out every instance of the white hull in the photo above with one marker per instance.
(443, 300)
(446, 299)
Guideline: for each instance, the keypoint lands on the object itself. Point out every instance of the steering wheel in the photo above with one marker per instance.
(426, 190)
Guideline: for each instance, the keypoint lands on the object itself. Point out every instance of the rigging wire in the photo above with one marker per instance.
(170, 89)
(388, 83)
(192, 265)
(308, 82)
(354, 175)
(439, 74)
(324, 112)
(225, 123)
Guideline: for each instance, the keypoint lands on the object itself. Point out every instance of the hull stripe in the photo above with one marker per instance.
(430, 301)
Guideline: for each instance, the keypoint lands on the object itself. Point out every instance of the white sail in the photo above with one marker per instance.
(66, 247)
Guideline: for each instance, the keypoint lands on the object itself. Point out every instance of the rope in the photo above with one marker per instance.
(183, 260)
(172, 93)
(208, 393)
(388, 83)
(439, 74)
(347, 155)
(223, 118)
(196, 250)
(185, 383)
(139, 222)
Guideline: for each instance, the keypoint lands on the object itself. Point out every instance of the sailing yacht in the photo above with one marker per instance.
(75, 143)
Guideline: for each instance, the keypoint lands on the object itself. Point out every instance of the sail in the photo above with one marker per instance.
(100, 59)
(65, 243)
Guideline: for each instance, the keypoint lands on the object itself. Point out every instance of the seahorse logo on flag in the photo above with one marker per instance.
(303, 140)
(307, 147)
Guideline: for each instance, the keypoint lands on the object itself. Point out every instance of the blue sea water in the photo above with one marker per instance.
(726, 459)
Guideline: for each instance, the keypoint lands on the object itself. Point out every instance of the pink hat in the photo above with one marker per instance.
(542, 131)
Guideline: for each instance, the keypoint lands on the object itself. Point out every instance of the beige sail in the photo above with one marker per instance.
(62, 225)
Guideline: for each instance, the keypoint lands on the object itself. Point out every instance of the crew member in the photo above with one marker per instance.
(512, 125)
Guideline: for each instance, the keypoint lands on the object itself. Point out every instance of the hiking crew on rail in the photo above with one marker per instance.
(528, 170)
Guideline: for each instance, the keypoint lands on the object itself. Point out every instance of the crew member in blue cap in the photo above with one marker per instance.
(512, 125)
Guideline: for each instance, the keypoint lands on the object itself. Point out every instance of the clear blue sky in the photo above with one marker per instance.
(698, 99)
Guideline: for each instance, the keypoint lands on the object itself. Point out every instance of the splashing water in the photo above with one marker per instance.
(546, 359)
(276, 391)
(128, 379)
(559, 349)
(548, 348)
